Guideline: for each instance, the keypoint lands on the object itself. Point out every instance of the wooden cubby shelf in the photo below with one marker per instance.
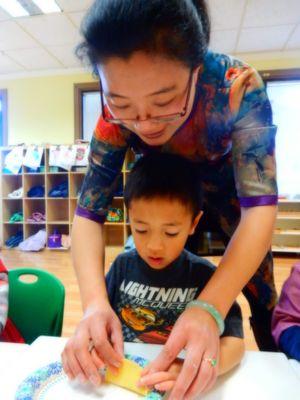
(59, 212)
(286, 238)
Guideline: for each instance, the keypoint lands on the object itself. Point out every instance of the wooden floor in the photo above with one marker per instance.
(59, 263)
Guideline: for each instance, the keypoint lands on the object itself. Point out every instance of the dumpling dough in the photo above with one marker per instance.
(127, 377)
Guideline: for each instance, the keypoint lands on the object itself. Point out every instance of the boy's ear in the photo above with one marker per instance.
(195, 222)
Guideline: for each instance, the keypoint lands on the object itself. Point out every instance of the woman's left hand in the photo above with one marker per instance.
(197, 332)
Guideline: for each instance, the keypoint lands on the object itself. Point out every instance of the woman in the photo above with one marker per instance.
(164, 91)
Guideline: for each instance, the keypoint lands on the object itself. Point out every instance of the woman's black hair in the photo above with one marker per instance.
(164, 175)
(176, 29)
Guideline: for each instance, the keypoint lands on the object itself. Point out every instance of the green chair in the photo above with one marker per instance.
(36, 308)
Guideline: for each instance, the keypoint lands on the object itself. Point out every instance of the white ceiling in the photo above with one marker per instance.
(46, 42)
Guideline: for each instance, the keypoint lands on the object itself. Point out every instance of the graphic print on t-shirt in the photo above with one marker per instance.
(148, 313)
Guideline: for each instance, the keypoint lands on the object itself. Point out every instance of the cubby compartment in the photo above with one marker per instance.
(113, 235)
(34, 209)
(10, 183)
(289, 206)
(31, 229)
(76, 180)
(10, 207)
(55, 181)
(116, 212)
(286, 236)
(288, 223)
(10, 230)
(57, 211)
(36, 184)
(54, 228)
(286, 239)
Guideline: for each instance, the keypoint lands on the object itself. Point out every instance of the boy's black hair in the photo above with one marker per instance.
(176, 29)
(165, 175)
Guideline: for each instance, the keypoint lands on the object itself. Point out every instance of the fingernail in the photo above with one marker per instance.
(141, 383)
(81, 378)
(94, 380)
(117, 364)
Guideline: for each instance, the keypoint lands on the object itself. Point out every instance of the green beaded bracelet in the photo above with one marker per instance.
(211, 310)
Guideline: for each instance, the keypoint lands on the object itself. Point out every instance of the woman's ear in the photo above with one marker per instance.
(197, 71)
(195, 222)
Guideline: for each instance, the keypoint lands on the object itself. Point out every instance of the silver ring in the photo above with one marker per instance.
(211, 360)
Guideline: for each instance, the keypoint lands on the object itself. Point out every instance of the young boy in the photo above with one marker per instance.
(150, 286)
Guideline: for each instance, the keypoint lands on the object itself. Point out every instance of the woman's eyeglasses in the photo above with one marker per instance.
(155, 119)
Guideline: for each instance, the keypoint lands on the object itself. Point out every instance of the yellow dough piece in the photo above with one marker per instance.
(128, 375)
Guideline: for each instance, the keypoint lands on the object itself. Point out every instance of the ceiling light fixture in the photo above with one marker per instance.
(47, 6)
(14, 8)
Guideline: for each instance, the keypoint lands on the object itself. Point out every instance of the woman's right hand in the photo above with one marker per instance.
(101, 327)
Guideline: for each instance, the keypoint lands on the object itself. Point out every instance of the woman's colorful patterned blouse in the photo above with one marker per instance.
(230, 123)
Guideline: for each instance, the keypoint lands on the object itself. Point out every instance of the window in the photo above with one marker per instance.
(283, 88)
(87, 109)
(3, 117)
(91, 110)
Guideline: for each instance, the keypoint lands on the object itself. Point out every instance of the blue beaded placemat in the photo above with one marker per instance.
(40, 382)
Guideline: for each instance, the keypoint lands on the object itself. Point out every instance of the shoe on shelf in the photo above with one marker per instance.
(14, 240)
(35, 242)
(16, 217)
(36, 191)
(37, 217)
(60, 190)
(16, 194)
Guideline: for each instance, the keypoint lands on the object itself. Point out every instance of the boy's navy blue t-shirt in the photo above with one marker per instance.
(148, 301)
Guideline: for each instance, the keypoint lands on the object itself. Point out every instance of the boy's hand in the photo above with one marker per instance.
(163, 381)
(97, 342)
(197, 332)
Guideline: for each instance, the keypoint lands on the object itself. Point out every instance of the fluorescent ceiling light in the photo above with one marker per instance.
(47, 6)
(14, 8)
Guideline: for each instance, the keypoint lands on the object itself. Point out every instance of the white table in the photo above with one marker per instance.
(10, 354)
(296, 367)
(261, 376)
